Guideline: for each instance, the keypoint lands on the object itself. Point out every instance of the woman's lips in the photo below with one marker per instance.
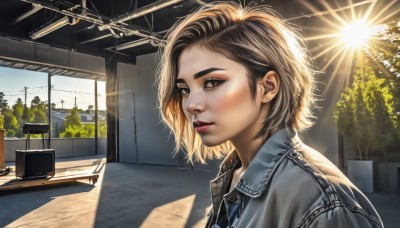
(201, 127)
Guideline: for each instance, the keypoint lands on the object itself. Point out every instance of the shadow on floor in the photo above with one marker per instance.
(17, 203)
(150, 196)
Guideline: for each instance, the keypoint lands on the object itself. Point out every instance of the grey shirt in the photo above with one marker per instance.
(288, 184)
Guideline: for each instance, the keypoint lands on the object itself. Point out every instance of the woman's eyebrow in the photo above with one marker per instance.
(200, 74)
(206, 71)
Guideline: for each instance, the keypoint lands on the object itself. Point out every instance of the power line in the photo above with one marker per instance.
(14, 95)
(70, 91)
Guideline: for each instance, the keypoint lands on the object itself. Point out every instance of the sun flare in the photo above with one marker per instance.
(356, 34)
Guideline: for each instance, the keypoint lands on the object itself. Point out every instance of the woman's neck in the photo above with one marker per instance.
(247, 148)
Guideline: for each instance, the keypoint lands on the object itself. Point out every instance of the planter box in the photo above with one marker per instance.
(361, 173)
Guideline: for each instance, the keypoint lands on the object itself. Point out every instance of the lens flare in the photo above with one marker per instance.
(356, 34)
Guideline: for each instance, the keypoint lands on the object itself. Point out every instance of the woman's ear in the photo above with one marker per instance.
(270, 85)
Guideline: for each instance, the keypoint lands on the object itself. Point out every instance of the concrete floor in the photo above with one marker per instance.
(130, 195)
(126, 195)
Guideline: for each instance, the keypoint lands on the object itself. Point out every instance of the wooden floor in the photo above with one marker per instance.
(87, 170)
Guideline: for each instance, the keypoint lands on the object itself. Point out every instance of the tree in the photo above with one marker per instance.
(73, 119)
(90, 108)
(10, 123)
(53, 106)
(18, 109)
(28, 115)
(39, 110)
(363, 113)
(1, 121)
(385, 56)
(35, 101)
(3, 102)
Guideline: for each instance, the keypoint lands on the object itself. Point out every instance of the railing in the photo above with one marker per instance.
(64, 147)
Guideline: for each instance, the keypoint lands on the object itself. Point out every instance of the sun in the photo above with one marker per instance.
(356, 34)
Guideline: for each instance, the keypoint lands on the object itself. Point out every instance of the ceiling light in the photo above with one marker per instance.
(53, 26)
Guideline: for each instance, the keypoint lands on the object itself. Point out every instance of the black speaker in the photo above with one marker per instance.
(32, 164)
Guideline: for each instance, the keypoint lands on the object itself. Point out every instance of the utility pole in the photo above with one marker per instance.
(75, 102)
(26, 91)
(62, 104)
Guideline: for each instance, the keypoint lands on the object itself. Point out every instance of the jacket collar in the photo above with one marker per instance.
(257, 176)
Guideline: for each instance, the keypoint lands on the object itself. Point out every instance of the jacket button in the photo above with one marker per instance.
(232, 198)
(295, 154)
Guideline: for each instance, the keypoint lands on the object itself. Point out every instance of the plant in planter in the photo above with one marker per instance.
(363, 116)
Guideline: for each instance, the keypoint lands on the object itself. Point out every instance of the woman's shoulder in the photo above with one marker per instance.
(308, 180)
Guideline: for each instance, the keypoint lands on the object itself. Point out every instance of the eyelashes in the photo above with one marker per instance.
(212, 83)
(208, 84)
(182, 91)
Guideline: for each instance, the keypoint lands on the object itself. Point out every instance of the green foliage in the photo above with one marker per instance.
(1, 121)
(12, 120)
(39, 110)
(84, 131)
(72, 119)
(11, 124)
(28, 115)
(102, 129)
(3, 103)
(35, 101)
(363, 113)
(18, 109)
(385, 55)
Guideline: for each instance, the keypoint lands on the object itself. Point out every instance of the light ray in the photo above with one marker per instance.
(327, 50)
(336, 70)
(324, 36)
(368, 13)
(353, 12)
(333, 58)
(374, 20)
(334, 14)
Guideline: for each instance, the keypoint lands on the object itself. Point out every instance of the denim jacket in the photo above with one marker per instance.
(288, 184)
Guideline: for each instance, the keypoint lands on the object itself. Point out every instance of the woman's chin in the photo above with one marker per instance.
(211, 142)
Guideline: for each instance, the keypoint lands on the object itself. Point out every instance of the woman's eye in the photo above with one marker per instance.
(182, 91)
(212, 83)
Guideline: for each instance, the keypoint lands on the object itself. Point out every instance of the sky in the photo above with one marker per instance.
(13, 81)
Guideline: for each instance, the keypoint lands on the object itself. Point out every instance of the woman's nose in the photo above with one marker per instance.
(195, 103)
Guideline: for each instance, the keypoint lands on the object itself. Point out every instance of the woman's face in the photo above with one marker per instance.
(216, 97)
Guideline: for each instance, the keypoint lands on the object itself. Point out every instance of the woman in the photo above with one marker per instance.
(239, 81)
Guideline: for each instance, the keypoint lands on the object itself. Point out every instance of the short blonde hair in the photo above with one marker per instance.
(260, 40)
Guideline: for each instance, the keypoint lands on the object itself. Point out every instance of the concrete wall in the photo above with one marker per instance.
(66, 147)
(137, 106)
(127, 134)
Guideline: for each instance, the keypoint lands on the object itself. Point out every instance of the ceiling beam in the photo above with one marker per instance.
(35, 8)
(141, 12)
(97, 19)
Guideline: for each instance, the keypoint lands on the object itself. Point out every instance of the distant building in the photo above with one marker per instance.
(58, 120)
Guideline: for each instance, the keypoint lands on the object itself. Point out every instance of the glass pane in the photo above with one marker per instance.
(23, 99)
(102, 110)
(73, 107)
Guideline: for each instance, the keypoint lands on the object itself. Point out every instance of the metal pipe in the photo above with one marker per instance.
(145, 10)
(98, 20)
(53, 26)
